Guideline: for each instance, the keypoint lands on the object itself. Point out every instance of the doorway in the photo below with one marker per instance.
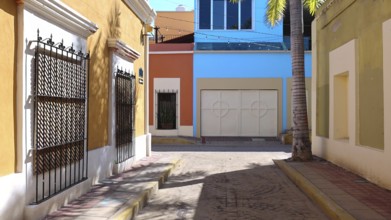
(167, 111)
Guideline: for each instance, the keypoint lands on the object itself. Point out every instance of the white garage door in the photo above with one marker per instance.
(247, 113)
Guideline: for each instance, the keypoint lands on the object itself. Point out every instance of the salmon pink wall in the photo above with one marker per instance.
(177, 63)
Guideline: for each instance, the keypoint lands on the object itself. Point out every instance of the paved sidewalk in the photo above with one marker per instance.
(120, 196)
(340, 194)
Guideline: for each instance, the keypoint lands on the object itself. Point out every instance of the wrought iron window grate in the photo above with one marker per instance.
(124, 88)
(166, 110)
(60, 118)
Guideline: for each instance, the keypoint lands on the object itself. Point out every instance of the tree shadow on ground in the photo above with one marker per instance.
(259, 192)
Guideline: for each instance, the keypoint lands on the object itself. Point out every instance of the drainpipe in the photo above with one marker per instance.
(146, 91)
(20, 155)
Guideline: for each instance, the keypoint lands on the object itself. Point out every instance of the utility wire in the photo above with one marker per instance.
(246, 30)
(271, 36)
(229, 39)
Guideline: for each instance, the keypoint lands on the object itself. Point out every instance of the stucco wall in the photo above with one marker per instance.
(351, 60)
(175, 22)
(7, 86)
(114, 20)
(180, 66)
(361, 20)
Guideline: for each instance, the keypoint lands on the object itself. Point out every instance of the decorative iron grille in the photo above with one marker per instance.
(124, 88)
(60, 117)
(166, 110)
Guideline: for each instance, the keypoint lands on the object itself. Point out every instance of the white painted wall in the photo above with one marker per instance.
(140, 143)
(17, 191)
(117, 62)
(169, 85)
(33, 22)
(12, 191)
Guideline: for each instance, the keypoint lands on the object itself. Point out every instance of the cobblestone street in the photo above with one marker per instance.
(229, 182)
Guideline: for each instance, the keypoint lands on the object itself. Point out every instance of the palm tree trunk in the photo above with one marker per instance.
(301, 146)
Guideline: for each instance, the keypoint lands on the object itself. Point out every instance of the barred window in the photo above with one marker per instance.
(166, 110)
(124, 98)
(60, 117)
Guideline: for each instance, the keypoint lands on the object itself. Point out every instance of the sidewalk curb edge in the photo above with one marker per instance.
(331, 209)
(132, 207)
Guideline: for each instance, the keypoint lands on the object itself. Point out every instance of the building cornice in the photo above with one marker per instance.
(123, 49)
(330, 10)
(59, 13)
(142, 9)
(246, 51)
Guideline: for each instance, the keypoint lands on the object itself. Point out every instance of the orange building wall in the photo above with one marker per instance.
(173, 66)
(175, 23)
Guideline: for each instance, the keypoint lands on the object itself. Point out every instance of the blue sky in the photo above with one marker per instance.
(170, 5)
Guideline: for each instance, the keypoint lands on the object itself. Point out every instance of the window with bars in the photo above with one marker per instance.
(60, 117)
(166, 110)
(124, 96)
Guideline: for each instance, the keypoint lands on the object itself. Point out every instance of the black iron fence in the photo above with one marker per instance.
(60, 117)
(124, 89)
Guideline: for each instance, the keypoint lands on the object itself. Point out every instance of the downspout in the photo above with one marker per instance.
(18, 83)
(146, 91)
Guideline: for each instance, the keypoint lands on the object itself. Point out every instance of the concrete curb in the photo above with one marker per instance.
(131, 208)
(171, 140)
(331, 209)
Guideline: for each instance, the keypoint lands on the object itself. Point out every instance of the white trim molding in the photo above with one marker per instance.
(171, 52)
(59, 13)
(123, 49)
(142, 9)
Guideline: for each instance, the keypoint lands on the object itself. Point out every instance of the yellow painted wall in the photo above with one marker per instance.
(338, 31)
(114, 20)
(361, 20)
(7, 86)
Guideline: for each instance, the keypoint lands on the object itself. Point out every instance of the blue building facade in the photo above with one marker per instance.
(241, 71)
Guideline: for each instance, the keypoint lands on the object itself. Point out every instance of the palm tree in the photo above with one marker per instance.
(301, 146)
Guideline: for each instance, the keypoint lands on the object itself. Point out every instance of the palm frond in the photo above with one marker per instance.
(275, 11)
(313, 5)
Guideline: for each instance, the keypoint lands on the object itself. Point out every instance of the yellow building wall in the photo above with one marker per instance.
(7, 86)
(361, 20)
(114, 20)
(351, 93)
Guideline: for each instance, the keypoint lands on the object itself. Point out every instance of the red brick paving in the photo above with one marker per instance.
(373, 196)
(100, 192)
